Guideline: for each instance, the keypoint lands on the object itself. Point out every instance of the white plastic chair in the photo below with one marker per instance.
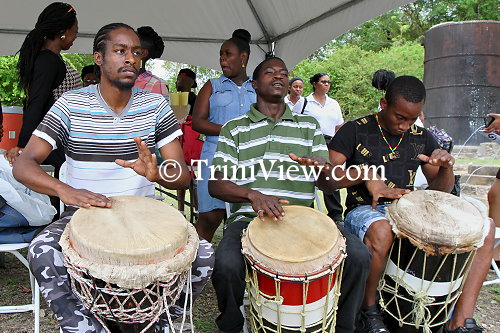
(493, 263)
(35, 291)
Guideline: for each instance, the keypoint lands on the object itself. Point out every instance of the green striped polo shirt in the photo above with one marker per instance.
(253, 151)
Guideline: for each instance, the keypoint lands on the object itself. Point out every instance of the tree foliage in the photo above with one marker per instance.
(351, 68)
(11, 93)
(390, 41)
(202, 74)
(410, 22)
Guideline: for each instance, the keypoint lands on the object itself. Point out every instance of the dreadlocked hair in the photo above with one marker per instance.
(102, 36)
(151, 41)
(53, 20)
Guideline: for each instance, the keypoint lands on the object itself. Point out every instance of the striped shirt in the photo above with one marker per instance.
(254, 150)
(93, 136)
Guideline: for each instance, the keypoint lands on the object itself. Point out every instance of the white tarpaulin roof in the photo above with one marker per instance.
(194, 29)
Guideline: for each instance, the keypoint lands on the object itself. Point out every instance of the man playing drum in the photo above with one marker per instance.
(392, 140)
(272, 133)
(109, 132)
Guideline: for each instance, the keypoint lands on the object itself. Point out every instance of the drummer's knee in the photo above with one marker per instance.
(379, 236)
(490, 238)
(228, 265)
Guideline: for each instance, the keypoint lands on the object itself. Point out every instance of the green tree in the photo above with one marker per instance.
(409, 23)
(10, 93)
(351, 68)
(78, 61)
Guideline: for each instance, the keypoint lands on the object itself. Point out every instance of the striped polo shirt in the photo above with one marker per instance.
(93, 137)
(253, 151)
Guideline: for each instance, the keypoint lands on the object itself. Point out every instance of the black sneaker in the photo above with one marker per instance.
(470, 327)
(371, 321)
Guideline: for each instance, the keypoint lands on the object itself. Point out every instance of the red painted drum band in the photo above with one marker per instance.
(293, 271)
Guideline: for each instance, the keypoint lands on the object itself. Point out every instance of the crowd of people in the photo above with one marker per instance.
(108, 132)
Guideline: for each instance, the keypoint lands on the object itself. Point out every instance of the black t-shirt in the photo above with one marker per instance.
(361, 142)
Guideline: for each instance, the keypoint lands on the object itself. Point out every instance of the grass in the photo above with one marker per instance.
(490, 161)
(496, 291)
(205, 325)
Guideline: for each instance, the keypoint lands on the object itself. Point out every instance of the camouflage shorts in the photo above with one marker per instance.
(46, 263)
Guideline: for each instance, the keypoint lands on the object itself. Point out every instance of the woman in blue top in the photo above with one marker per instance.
(219, 101)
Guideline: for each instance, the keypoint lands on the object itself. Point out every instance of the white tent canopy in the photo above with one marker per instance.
(194, 29)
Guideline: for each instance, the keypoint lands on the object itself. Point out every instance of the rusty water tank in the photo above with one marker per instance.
(462, 77)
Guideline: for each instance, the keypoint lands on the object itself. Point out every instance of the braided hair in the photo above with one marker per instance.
(53, 20)
(102, 36)
(151, 41)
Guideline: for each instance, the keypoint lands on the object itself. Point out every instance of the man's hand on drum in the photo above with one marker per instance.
(146, 165)
(268, 205)
(440, 158)
(378, 189)
(82, 198)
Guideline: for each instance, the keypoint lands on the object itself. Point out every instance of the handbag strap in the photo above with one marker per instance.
(304, 106)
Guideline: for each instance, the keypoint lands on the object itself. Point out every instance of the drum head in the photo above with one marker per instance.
(304, 241)
(438, 222)
(134, 231)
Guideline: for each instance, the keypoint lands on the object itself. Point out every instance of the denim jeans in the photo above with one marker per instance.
(14, 228)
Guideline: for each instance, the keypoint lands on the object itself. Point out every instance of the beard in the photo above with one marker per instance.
(122, 85)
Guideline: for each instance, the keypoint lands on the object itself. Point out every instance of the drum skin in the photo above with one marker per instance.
(292, 271)
(129, 263)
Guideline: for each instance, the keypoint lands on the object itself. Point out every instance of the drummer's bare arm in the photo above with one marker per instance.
(324, 181)
(200, 112)
(350, 177)
(373, 181)
(27, 170)
(262, 204)
(439, 170)
(174, 174)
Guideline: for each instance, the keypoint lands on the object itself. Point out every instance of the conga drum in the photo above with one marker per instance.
(293, 271)
(129, 263)
(437, 235)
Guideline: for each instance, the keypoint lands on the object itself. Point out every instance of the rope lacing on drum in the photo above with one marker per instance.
(422, 301)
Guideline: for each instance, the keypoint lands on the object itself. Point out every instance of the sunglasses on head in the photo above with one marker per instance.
(325, 82)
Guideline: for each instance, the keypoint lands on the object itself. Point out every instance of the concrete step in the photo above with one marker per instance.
(460, 168)
(483, 170)
(479, 192)
(465, 149)
(477, 180)
(463, 156)
(488, 150)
